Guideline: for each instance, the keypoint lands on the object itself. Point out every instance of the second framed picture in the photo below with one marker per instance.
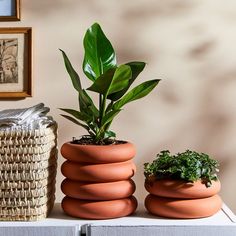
(10, 10)
(15, 62)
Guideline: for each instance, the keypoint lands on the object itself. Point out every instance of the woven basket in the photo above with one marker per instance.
(27, 141)
(26, 213)
(28, 162)
(16, 158)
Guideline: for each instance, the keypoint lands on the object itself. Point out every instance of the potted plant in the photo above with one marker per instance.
(99, 167)
(184, 185)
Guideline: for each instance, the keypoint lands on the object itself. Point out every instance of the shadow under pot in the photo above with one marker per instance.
(98, 178)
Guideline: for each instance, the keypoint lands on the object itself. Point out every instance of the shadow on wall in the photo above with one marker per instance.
(129, 10)
(211, 130)
(120, 15)
(155, 9)
(46, 7)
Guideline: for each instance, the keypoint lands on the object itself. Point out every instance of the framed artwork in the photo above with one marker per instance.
(9, 10)
(15, 62)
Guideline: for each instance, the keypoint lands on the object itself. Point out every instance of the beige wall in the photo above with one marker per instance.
(189, 44)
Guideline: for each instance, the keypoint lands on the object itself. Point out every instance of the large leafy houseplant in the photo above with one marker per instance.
(110, 81)
(99, 174)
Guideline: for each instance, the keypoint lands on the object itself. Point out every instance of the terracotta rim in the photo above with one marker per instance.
(98, 172)
(181, 189)
(99, 209)
(98, 153)
(183, 208)
(98, 191)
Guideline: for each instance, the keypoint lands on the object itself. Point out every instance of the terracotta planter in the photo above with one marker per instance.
(99, 209)
(179, 199)
(98, 172)
(98, 154)
(183, 208)
(98, 191)
(98, 181)
(181, 189)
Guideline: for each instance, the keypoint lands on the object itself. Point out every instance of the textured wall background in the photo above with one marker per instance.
(189, 44)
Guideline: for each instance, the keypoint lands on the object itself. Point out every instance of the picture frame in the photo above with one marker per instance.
(16, 62)
(10, 10)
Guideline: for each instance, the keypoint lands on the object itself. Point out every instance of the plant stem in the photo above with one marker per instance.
(104, 105)
(100, 110)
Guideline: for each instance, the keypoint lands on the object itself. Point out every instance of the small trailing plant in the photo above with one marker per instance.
(110, 81)
(189, 166)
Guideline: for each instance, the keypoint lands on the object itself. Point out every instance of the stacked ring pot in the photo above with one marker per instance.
(98, 181)
(179, 199)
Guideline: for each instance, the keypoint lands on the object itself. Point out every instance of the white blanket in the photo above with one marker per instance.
(33, 117)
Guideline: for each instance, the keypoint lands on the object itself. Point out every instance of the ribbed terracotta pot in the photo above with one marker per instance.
(181, 189)
(183, 208)
(109, 172)
(180, 199)
(98, 181)
(98, 191)
(99, 209)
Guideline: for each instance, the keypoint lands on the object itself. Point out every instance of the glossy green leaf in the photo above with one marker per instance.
(109, 107)
(109, 117)
(112, 81)
(136, 68)
(136, 93)
(73, 74)
(86, 104)
(78, 115)
(76, 122)
(99, 54)
(110, 134)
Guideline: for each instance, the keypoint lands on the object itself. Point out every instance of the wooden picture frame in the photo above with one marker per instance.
(15, 62)
(10, 10)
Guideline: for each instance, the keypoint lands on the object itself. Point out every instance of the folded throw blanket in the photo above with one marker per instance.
(33, 117)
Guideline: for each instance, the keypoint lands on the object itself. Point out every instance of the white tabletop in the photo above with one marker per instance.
(141, 223)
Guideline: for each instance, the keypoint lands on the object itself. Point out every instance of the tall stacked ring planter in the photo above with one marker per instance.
(179, 199)
(98, 181)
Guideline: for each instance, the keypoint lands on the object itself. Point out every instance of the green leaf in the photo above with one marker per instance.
(73, 74)
(76, 122)
(109, 107)
(101, 85)
(136, 68)
(136, 93)
(112, 81)
(109, 134)
(86, 104)
(109, 117)
(78, 115)
(99, 54)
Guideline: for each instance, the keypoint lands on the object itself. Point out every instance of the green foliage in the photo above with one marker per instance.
(110, 81)
(188, 166)
(99, 54)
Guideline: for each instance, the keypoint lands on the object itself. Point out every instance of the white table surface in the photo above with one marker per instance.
(58, 224)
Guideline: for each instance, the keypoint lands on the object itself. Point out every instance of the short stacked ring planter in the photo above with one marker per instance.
(98, 181)
(179, 199)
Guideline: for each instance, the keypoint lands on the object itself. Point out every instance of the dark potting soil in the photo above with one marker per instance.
(89, 141)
